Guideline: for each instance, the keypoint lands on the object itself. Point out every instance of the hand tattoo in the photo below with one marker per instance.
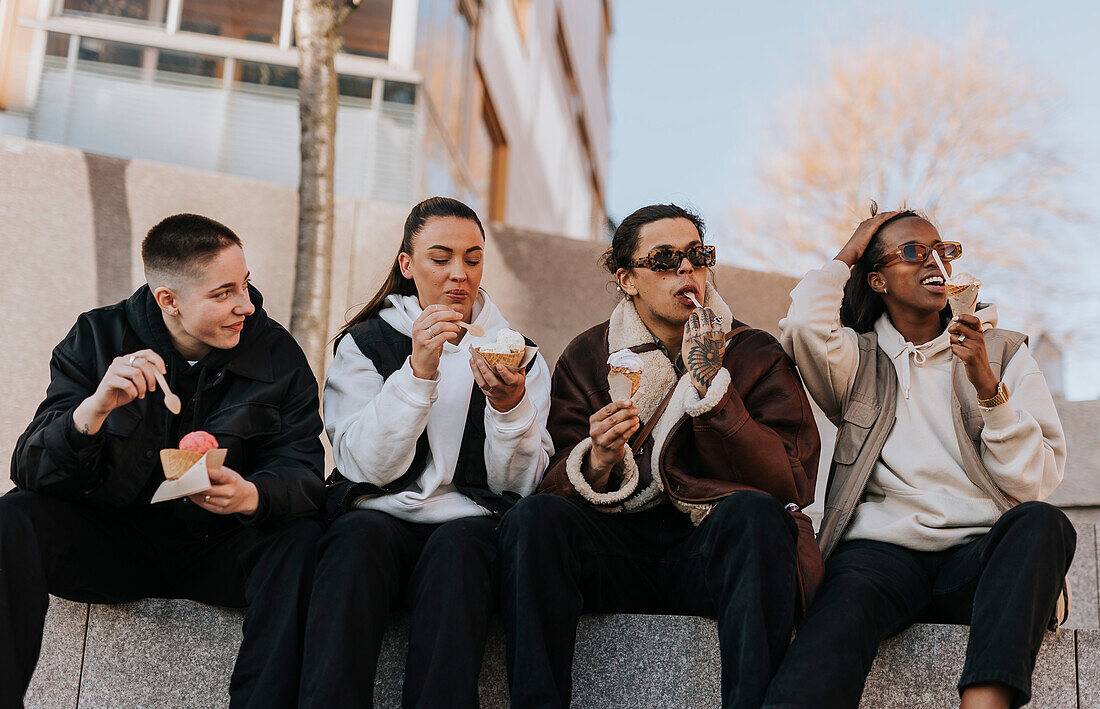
(705, 357)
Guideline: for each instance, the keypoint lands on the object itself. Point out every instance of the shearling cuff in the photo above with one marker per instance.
(574, 468)
(696, 405)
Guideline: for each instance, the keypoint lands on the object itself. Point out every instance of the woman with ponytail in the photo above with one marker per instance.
(431, 447)
(948, 441)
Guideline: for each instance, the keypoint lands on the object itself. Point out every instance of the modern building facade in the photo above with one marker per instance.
(502, 103)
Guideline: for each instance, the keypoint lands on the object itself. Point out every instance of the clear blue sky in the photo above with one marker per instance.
(694, 84)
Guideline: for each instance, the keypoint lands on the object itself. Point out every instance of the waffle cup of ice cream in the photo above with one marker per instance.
(962, 293)
(624, 365)
(508, 349)
(195, 445)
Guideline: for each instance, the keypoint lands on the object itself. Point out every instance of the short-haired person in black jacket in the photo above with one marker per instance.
(80, 524)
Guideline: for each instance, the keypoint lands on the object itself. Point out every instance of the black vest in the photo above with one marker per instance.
(388, 349)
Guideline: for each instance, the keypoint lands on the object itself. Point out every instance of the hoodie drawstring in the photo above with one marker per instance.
(918, 358)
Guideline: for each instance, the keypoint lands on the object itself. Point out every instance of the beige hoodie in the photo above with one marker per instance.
(918, 495)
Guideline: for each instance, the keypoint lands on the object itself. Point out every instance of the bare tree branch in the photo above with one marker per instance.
(961, 133)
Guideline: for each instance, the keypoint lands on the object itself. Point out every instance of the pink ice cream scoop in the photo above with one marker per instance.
(198, 442)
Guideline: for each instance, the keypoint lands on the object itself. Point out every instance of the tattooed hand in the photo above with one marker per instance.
(704, 345)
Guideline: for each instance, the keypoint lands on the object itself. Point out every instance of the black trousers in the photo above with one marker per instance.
(1004, 585)
(369, 562)
(560, 557)
(169, 550)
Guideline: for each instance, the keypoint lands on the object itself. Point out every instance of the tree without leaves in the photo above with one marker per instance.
(958, 133)
(316, 23)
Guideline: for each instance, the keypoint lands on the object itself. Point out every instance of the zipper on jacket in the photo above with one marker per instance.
(851, 508)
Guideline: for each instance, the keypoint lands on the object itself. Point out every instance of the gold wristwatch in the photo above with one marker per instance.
(997, 399)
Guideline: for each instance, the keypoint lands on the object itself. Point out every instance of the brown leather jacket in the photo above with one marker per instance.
(753, 431)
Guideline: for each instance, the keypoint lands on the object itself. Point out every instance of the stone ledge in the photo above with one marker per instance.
(159, 653)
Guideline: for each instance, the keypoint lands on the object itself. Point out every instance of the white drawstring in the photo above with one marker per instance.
(918, 357)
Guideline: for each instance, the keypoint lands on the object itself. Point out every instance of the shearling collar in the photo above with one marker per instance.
(626, 329)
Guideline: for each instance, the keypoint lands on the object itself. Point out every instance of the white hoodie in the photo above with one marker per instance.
(374, 424)
(919, 495)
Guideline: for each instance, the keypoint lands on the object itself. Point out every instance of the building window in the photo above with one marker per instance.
(254, 20)
(100, 50)
(268, 74)
(146, 10)
(355, 86)
(488, 156)
(444, 58)
(194, 64)
(366, 32)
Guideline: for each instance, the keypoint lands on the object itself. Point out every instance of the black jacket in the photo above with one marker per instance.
(259, 399)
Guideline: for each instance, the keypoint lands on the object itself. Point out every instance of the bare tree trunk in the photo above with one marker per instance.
(315, 25)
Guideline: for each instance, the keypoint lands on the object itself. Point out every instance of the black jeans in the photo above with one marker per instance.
(560, 557)
(1004, 585)
(368, 560)
(169, 550)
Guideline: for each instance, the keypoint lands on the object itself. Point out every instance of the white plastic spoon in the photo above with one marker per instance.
(936, 258)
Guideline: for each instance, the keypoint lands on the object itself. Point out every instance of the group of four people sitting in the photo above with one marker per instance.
(686, 497)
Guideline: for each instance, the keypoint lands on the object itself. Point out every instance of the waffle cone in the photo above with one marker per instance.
(634, 377)
(954, 290)
(508, 359)
(963, 300)
(176, 462)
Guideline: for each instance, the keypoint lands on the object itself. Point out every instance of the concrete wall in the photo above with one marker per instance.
(71, 225)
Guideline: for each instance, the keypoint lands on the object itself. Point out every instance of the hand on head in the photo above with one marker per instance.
(857, 244)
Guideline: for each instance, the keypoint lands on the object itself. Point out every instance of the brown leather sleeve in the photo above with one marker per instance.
(762, 433)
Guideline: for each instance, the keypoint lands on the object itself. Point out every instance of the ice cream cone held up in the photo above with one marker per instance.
(625, 375)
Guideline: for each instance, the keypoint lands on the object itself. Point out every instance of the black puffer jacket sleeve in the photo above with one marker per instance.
(52, 457)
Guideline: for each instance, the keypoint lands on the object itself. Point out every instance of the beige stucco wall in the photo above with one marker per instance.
(550, 287)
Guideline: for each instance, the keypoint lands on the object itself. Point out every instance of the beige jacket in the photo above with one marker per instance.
(919, 493)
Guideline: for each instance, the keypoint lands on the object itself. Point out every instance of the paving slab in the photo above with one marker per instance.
(1083, 611)
(647, 661)
(1088, 669)
(159, 653)
(1081, 485)
(56, 679)
(920, 668)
